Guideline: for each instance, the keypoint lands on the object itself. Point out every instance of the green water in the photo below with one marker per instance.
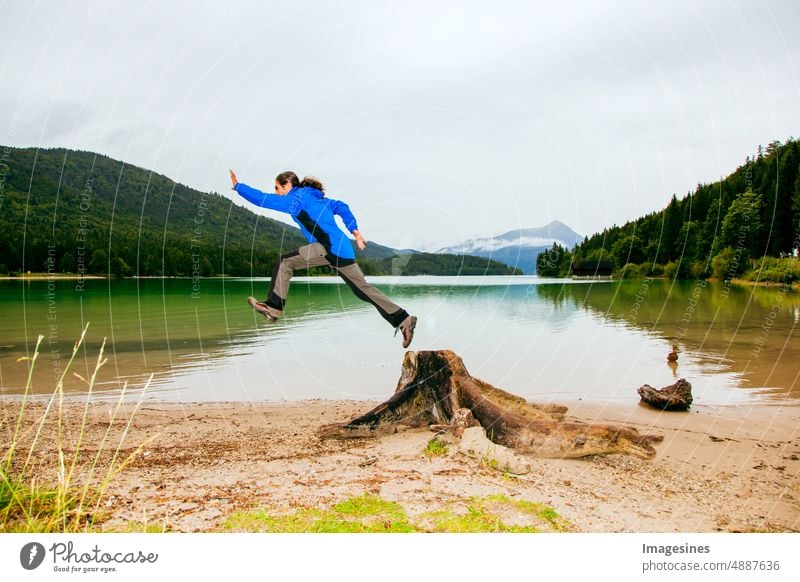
(544, 339)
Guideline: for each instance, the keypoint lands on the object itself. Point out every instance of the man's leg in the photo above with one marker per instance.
(305, 257)
(354, 278)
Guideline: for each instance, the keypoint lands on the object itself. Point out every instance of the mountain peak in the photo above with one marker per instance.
(519, 247)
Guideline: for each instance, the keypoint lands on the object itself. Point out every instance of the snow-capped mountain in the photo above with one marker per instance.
(519, 248)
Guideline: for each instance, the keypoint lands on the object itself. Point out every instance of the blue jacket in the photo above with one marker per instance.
(314, 214)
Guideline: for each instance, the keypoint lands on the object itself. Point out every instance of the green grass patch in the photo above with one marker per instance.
(137, 527)
(435, 448)
(29, 507)
(363, 514)
(495, 514)
(474, 520)
(370, 514)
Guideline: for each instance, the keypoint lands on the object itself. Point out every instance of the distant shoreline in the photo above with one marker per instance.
(744, 282)
(72, 277)
(46, 277)
(736, 281)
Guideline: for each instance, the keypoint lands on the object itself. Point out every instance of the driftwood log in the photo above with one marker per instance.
(436, 390)
(678, 396)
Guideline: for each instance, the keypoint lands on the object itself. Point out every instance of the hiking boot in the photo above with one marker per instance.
(269, 312)
(407, 328)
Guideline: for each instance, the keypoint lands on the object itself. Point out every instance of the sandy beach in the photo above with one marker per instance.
(730, 469)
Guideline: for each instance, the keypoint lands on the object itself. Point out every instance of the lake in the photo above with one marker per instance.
(545, 339)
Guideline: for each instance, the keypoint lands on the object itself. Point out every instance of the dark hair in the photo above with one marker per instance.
(285, 177)
(308, 181)
(312, 182)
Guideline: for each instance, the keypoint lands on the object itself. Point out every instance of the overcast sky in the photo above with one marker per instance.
(436, 121)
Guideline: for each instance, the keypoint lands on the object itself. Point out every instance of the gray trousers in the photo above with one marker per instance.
(315, 255)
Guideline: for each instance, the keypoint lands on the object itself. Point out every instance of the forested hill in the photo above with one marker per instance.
(721, 229)
(93, 214)
(67, 211)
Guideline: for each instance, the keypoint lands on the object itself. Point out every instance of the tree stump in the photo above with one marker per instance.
(435, 387)
(678, 396)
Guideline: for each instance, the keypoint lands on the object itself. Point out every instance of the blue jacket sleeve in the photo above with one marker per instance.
(264, 200)
(343, 210)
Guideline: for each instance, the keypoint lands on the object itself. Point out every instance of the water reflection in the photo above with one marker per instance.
(545, 339)
(748, 331)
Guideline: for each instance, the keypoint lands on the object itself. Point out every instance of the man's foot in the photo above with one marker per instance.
(407, 329)
(269, 312)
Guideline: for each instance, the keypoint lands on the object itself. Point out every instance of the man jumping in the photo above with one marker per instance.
(306, 203)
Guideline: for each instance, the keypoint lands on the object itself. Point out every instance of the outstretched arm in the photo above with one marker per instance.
(262, 199)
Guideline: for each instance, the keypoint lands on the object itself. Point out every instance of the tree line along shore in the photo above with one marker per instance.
(745, 227)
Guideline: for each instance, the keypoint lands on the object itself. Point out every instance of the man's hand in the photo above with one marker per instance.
(234, 181)
(360, 241)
